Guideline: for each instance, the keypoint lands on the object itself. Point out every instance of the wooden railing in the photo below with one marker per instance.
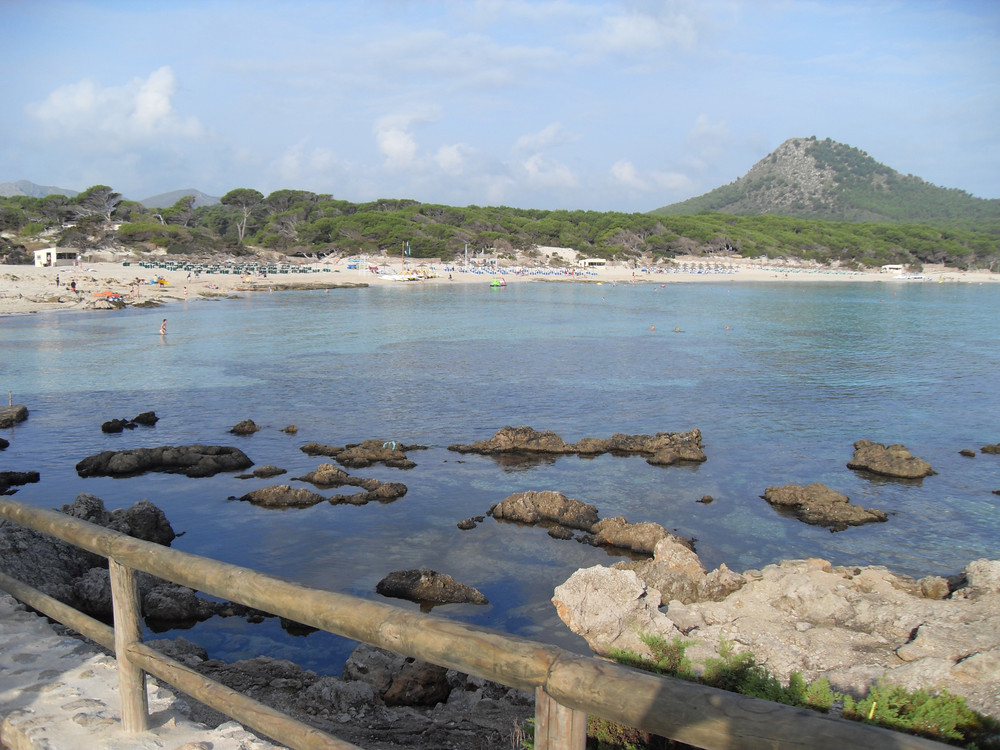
(567, 686)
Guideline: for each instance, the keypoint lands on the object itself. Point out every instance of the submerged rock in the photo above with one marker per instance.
(890, 461)
(817, 504)
(282, 496)
(426, 585)
(246, 427)
(546, 506)
(191, 460)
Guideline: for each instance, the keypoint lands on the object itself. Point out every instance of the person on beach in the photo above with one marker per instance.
(163, 327)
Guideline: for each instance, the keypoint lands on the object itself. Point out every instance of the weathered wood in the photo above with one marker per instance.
(558, 727)
(128, 631)
(95, 630)
(707, 717)
(696, 714)
(247, 711)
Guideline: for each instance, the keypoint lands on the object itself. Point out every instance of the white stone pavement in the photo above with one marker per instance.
(58, 693)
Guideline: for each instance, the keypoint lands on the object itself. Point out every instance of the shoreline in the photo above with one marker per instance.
(27, 289)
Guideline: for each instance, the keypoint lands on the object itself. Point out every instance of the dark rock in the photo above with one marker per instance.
(891, 461)
(192, 460)
(967, 452)
(546, 506)
(418, 684)
(706, 499)
(9, 479)
(11, 415)
(4, 444)
(428, 586)
(146, 419)
(995, 448)
(290, 429)
(661, 449)
(560, 532)
(368, 453)
(817, 504)
(282, 496)
(470, 523)
(522, 439)
(263, 472)
(246, 427)
(117, 425)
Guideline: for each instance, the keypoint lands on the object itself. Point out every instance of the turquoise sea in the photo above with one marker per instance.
(802, 371)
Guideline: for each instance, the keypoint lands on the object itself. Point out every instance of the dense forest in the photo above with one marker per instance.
(298, 222)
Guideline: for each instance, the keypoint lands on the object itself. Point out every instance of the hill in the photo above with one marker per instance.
(30, 189)
(807, 178)
(166, 200)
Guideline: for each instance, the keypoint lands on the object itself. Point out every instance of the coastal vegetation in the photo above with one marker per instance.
(939, 716)
(810, 200)
(296, 222)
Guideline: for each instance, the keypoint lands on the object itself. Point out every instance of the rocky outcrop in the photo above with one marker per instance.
(853, 626)
(282, 496)
(191, 460)
(146, 419)
(11, 415)
(368, 453)
(888, 460)
(661, 449)
(245, 427)
(994, 448)
(546, 506)
(817, 504)
(10, 479)
(381, 701)
(428, 586)
(642, 536)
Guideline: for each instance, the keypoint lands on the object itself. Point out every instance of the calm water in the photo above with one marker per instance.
(803, 372)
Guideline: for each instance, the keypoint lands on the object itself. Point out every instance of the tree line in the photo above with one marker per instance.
(303, 223)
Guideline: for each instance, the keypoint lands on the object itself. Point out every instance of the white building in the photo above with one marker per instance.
(52, 256)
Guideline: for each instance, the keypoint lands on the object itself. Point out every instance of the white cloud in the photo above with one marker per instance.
(543, 172)
(650, 26)
(297, 165)
(116, 116)
(652, 181)
(553, 134)
(452, 159)
(625, 172)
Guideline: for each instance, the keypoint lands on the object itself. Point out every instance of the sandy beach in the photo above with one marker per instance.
(26, 289)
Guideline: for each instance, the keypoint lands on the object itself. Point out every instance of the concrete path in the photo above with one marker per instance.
(58, 693)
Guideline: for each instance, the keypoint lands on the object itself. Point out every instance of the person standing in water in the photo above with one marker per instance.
(163, 327)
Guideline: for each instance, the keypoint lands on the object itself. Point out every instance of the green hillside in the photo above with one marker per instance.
(807, 178)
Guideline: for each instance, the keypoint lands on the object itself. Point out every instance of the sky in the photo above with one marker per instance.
(557, 104)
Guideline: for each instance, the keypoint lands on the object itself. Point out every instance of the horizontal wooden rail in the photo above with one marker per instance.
(567, 685)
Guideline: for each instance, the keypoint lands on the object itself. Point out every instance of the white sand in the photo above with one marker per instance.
(26, 289)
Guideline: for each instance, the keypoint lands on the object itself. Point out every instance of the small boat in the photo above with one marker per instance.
(496, 283)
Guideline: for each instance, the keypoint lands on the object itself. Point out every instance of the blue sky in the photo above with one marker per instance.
(600, 105)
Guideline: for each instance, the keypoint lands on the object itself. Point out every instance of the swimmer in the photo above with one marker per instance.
(677, 329)
(652, 328)
(163, 327)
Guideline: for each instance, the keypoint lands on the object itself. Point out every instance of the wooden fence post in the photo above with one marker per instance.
(556, 726)
(131, 678)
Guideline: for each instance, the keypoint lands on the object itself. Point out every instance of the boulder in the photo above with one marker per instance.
(4, 444)
(246, 427)
(662, 449)
(521, 439)
(146, 419)
(9, 479)
(11, 415)
(853, 626)
(192, 460)
(546, 507)
(265, 472)
(428, 586)
(890, 461)
(675, 571)
(994, 448)
(639, 537)
(365, 454)
(818, 505)
(282, 496)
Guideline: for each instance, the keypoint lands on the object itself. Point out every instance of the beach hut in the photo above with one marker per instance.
(51, 256)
